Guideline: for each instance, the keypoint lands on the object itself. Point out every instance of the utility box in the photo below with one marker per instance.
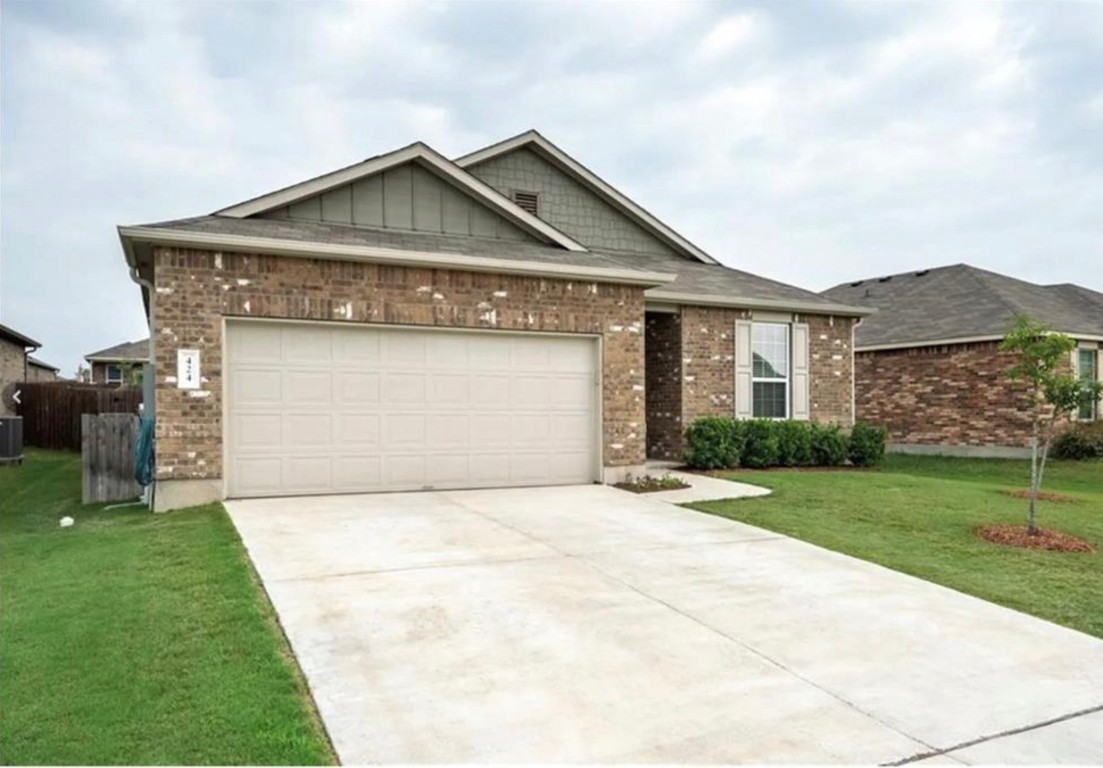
(11, 439)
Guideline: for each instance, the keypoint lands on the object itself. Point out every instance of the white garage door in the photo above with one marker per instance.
(314, 408)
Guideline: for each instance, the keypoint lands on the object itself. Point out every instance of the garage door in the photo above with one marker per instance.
(314, 408)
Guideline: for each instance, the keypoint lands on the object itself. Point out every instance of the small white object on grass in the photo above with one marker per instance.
(65, 522)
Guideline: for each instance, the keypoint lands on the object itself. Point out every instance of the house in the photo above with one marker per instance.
(118, 364)
(413, 322)
(14, 368)
(38, 370)
(927, 366)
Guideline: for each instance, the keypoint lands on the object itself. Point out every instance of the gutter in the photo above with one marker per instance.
(807, 307)
(274, 246)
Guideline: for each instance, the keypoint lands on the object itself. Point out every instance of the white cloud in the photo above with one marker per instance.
(730, 34)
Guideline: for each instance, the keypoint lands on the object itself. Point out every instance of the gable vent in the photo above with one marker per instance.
(527, 200)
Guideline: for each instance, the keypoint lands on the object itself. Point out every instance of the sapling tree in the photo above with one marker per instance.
(1053, 390)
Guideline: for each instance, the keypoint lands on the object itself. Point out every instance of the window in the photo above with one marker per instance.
(1088, 372)
(114, 374)
(770, 370)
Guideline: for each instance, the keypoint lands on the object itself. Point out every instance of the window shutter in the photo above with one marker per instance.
(800, 378)
(742, 369)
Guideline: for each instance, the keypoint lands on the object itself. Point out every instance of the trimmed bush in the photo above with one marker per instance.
(760, 450)
(829, 445)
(867, 444)
(713, 442)
(1080, 441)
(794, 443)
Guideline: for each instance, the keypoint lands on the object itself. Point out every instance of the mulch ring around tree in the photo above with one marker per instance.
(1018, 536)
(1063, 498)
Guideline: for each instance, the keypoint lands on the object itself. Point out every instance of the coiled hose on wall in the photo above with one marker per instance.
(143, 453)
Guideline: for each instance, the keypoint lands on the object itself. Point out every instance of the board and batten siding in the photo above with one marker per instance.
(407, 197)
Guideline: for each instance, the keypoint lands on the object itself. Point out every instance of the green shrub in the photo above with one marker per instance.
(760, 449)
(829, 445)
(794, 443)
(867, 444)
(713, 442)
(1080, 441)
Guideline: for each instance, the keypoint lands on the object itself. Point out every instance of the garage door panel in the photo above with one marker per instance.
(315, 408)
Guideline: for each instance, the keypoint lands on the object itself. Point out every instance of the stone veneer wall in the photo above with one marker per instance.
(195, 289)
(12, 357)
(946, 395)
(663, 345)
(708, 371)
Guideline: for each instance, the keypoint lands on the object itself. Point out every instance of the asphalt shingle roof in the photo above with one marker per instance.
(692, 277)
(128, 350)
(961, 301)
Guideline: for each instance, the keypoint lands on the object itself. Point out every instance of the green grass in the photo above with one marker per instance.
(916, 514)
(137, 638)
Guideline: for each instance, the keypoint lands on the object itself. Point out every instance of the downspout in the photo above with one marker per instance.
(854, 373)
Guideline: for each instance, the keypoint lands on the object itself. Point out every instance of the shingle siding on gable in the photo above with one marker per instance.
(407, 197)
(566, 204)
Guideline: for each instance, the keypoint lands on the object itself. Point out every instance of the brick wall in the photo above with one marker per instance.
(947, 395)
(663, 342)
(565, 203)
(195, 289)
(11, 370)
(708, 371)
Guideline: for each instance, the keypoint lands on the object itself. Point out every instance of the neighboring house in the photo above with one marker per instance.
(40, 371)
(14, 368)
(414, 322)
(927, 365)
(119, 364)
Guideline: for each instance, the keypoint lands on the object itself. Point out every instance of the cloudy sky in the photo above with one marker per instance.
(808, 142)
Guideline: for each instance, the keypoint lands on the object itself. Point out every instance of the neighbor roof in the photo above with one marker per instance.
(962, 302)
(38, 363)
(128, 350)
(15, 336)
(534, 141)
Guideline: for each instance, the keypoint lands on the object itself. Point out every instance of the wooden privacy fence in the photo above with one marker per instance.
(107, 457)
(52, 411)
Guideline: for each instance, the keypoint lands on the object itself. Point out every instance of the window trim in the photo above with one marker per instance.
(107, 373)
(786, 380)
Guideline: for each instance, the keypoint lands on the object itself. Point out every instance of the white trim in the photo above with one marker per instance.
(423, 154)
(959, 340)
(805, 307)
(279, 247)
(591, 180)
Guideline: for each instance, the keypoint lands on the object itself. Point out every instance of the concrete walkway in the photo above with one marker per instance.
(586, 624)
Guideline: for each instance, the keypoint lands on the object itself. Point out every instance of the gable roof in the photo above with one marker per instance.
(16, 337)
(39, 364)
(428, 158)
(961, 302)
(128, 350)
(534, 141)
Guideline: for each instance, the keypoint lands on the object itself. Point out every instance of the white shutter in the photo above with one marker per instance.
(799, 374)
(742, 369)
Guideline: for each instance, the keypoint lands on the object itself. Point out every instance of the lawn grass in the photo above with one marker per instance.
(136, 638)
(916, 514)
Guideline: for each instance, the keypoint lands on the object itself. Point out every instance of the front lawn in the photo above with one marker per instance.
(136, 638)
(916, 514)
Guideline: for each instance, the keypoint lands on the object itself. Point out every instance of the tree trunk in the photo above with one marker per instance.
(1035, 476)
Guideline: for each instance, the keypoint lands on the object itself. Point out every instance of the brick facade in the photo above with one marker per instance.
(707, 345)
(946, 395)
(663, 343)
(12, 370)
(195, 290)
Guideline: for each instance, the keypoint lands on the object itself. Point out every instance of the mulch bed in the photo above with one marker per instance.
(1018, 536)
(1045, 496)
(653, 484)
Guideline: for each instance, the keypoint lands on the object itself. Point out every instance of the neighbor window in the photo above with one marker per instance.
(770, 370)
(1088, 372)
(114, 374)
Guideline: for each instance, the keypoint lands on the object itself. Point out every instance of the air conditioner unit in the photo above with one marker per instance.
(11, 439)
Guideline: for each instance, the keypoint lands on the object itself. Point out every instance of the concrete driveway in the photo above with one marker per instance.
(586, 624)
